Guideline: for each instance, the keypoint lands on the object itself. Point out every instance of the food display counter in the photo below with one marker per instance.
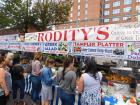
(121, 86)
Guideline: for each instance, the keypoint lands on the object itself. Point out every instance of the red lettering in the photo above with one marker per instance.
(73, 34)
(85, 44)
(57, 33)
(99, 44)
(65, 35)
(40, 37)
(49, 34)
(103, 33)
(86, 33)
(121, 44)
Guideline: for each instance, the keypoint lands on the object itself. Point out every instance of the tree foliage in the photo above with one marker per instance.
(21, 14)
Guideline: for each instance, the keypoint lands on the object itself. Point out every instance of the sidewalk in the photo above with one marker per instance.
(29, 101)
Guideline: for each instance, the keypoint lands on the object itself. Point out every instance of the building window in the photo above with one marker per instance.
(86, 12)
(126, 2)
(78, 13)
(116, 4)
(86, 1)
(106, 13)
(137, 0)
(127, 18)
(115, 19)
(116, 11)
(78, 7)
(86, 5)
(107, 5)
(106, 20)
(127, 9)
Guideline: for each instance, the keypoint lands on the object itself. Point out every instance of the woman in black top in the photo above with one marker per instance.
(18, 82)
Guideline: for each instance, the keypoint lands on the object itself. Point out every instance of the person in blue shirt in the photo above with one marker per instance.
(47, 79)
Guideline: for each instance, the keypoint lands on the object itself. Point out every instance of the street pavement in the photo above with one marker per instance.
(27, 99)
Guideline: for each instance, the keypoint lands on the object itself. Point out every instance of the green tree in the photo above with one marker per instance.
(21, 14)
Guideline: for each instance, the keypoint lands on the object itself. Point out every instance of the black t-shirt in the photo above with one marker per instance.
(17, 72)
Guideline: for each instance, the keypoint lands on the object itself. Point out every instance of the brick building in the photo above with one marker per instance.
(119, 11)
(98, 12)
(81, 11)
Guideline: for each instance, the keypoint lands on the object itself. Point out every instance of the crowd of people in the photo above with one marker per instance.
(38, 77)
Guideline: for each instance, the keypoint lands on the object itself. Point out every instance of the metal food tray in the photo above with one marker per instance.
(126, 72)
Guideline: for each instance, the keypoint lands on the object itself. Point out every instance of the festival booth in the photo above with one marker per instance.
(116, 49)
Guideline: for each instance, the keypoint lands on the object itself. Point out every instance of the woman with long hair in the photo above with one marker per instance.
(89, 84)
(68, 82)
(35, 78)
(46, 81)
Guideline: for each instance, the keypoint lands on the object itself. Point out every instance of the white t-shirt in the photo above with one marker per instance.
(90, 81)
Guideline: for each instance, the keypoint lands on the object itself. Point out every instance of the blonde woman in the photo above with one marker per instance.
(5, 86)
(46, 81)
